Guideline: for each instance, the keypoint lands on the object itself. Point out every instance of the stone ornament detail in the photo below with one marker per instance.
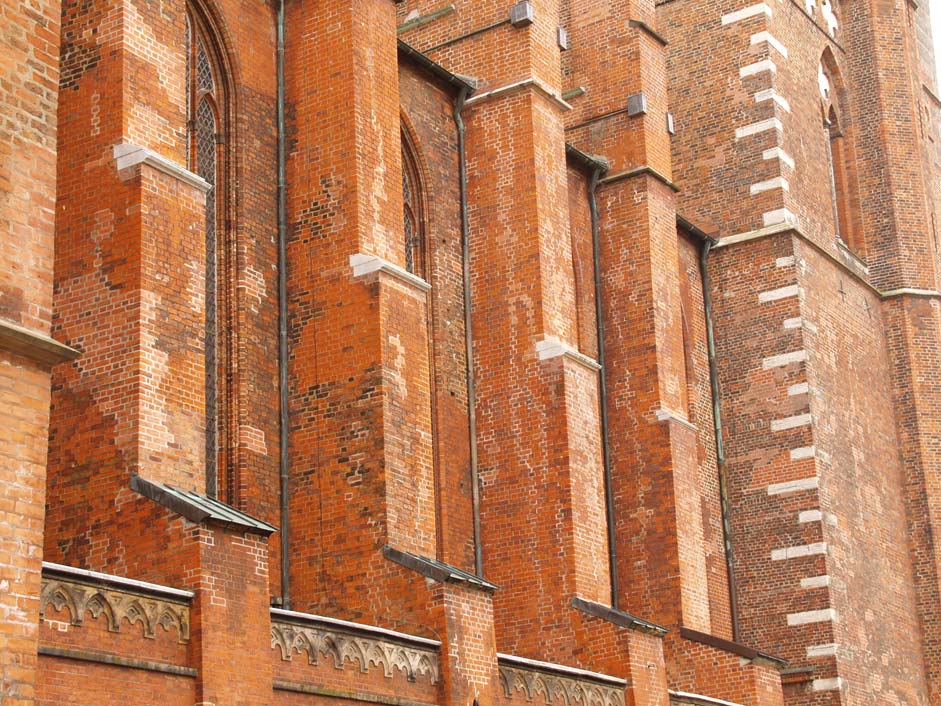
(413, 661)
(117, 606)
(558, 690)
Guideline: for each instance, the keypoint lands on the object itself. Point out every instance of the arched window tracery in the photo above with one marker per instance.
(206, 103)
(413, 210)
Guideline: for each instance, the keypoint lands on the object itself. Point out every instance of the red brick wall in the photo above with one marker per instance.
(379, 428)
(231, 616)
(246, 34)
(27, 170)
(694, 665)
(700, 413)
(28, 96)
(24, 392)
(756, 385)
(469, 649)
(864, 519)
(709, 101)
(784, 334)
(891, 167)
(130, 271)
(822, 417)
(911, 325)
(583, 262)
(134, 402)
(426, 109)
(60, 680)
(361, 441)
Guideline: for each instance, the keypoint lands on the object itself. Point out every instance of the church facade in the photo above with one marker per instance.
(470, 352)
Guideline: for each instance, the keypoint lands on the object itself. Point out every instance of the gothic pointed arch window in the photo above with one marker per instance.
(413, 209)
(207, 118)
(840, 155)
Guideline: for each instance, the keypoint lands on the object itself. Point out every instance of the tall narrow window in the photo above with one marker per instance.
(204, 100)
(839, 154)
(413, 215)
(834, 176)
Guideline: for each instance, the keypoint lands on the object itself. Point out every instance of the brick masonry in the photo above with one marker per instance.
(28, 92)
(809, 284)
(795, 142)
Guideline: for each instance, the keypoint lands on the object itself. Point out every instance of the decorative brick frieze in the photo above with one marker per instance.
(347, 643)
(119, 600)
(556, 685)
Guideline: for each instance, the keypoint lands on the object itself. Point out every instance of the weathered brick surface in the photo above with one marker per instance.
(911, 327)
(699, 396)
(29, 95)
(137, 321)
(469, 649)
(361, 380)
(24, 392)
(29, 44)
(819, 400)
(827, 349)
(230, 616)
(101, 682)
(728, 675)
(130, 288)
(427, 106)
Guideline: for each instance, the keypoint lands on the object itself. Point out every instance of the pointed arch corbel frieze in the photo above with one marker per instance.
(364, 652)
(118, 607)
(558, 689)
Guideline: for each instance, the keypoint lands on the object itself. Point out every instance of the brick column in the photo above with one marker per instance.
(28, 100)
(231, 619)
(671, 557)
(542, 510)
(904, 259)
(361, 447)
(913, 329)
(468, 645)
(130, 277)
(654, 447)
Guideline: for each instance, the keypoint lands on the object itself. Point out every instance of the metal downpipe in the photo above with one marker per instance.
(283, 322)
(468, 331)
(603, 387)
(720, 446)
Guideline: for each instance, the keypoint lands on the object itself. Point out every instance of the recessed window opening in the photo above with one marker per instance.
(206, 102)
(413, 211)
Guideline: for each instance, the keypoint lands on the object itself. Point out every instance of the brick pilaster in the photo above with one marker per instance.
(231, 623)
(130, 272)
(362, 469)
(28, 78)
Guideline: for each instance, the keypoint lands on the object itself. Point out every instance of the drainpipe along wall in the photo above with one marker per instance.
(468, 331)
(284, 466)
(705, 249)
(598, 171)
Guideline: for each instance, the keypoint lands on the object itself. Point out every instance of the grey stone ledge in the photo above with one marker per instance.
(34, 345)
(127, 155)
(364, 265)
